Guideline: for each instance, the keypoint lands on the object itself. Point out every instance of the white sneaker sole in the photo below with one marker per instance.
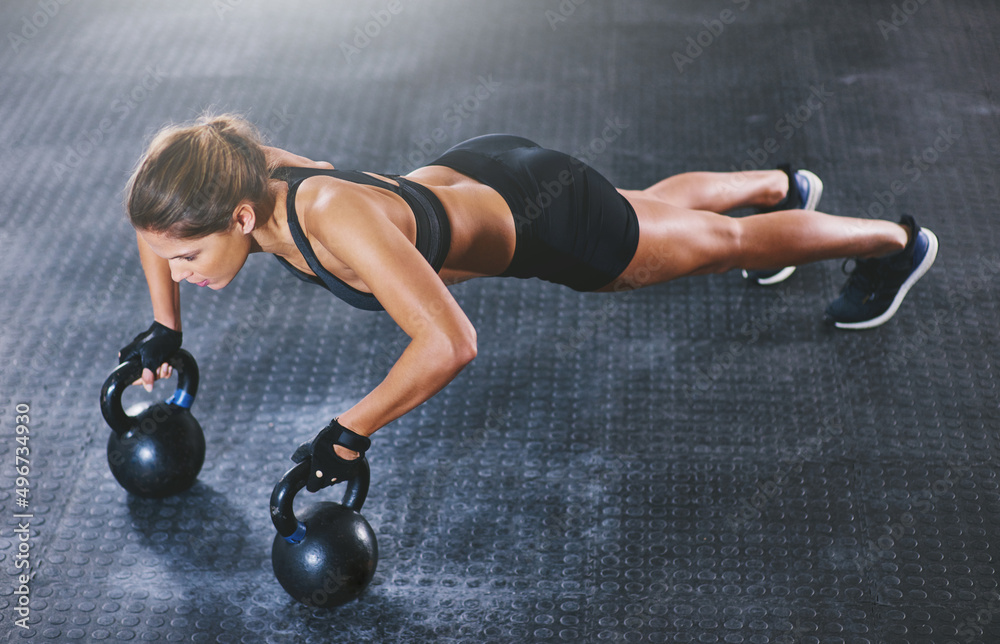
(815, 192)
(780, 276)
(925, 264)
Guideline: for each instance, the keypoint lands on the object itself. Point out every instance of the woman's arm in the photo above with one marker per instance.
(442, 340)
(164, 292)
(165, 295)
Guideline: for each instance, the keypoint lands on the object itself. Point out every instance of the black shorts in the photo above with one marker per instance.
(573, 227)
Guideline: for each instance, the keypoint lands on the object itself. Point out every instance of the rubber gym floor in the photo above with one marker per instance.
(700, 461)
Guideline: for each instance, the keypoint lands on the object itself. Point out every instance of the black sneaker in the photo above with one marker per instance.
(876, 287)
(804, 191)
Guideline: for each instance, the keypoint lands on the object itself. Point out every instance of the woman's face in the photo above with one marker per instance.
(211, 261)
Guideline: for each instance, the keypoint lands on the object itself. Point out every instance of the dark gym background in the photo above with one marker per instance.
(702, 461)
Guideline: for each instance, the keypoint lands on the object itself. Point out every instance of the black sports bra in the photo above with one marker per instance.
(433, 229)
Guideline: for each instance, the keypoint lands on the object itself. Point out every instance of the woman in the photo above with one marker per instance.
(207, 195)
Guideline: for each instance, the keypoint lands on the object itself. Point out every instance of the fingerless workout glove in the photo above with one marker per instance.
(326, 467)
(152, 347)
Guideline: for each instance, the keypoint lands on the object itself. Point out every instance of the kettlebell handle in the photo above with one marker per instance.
(127, 373)
(283, 497)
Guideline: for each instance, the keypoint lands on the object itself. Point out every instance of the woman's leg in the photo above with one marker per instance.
(677, 242)
(719, 191)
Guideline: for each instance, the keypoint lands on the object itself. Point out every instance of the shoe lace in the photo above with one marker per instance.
(866, 276)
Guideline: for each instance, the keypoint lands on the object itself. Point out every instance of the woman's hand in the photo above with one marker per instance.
(152, 348)
(278, 158)
(330, 457)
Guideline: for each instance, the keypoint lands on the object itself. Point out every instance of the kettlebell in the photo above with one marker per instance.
(327, 556)
(159, 451)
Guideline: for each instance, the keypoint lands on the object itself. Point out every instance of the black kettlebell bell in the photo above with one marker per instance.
(158, 452)
(327, 556)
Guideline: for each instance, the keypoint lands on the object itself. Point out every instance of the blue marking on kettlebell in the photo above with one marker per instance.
(182, 399)
(298, 535)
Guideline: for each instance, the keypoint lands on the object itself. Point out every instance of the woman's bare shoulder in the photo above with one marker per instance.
(321, 201)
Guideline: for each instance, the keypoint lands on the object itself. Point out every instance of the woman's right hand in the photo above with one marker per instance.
(152, 348)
